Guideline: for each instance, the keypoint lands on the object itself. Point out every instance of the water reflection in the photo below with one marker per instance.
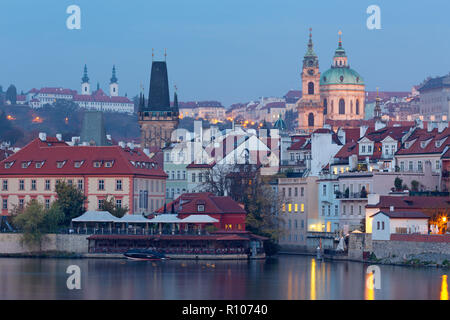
(287, 277)
(444, 288)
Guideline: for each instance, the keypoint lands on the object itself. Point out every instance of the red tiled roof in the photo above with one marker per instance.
(301, 144)
(274, 105)
(371, 95)
(422, 135)
(52, 151)
(352, 134)
(213, 204)
(403, 214)
(395, 133)
(199, 165)
(61, 91)
(411, 202)
(100, 96)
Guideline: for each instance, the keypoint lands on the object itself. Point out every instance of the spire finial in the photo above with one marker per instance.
(165, 54)
(340, 38)
(153, 54)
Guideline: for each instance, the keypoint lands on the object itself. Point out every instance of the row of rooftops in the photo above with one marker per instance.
(52, 156)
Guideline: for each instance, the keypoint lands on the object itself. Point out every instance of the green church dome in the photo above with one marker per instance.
(341, 75)
(280, 124)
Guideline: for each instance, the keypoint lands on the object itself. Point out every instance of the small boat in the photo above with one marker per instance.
(144, 255)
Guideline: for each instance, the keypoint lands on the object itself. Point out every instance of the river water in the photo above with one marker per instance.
(285, 277)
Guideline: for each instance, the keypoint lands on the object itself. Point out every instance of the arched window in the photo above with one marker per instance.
(332, 106)
(357, 106)
(311, 88)
(341, 106)
(325, 106)
(351, 106)
(310, 120)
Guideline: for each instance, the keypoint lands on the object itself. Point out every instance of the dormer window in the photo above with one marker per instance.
(200, 207)
(60, 164)
(25, 164)
(97, 164)
(8, 164)
(108, 164)
(78, 164)
(39, 164)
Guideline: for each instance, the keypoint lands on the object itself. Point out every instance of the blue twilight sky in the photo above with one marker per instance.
(226, 50)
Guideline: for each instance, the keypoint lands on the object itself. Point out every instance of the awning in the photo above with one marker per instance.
(96, 216)
(134, 218)
(199, 218)
(165, 218)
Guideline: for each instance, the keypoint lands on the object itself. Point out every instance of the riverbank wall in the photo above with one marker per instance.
(12, 243)
(401, 249)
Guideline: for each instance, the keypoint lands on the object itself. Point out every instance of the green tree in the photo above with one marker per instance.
(34, 221)
(398, 184)
(110, 205)
(70, 200)
(415, 185)
(11, 94)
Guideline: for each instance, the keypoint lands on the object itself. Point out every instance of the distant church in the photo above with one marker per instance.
(337, 94)
(157, 118)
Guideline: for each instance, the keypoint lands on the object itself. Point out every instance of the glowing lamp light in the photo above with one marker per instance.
(444, 219)
(37, 119)
(10, 117)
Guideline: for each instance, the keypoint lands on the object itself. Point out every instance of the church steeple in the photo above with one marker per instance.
(377, 109)
(114, 78)
(310, 59)
(114, 86)
(85, 78)
(85, 86)
(340, 59)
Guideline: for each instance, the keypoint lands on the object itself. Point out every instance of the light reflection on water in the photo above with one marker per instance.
(286, 277)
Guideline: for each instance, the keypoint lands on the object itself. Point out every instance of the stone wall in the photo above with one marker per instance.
(384, 249)
(11, 243)
(359, 243)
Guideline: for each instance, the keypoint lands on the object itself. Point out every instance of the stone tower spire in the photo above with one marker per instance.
(157, 118)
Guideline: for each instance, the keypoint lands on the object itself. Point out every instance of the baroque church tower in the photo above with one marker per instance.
(113, 85)
(309, 107)
(157, 118)
(85, 86)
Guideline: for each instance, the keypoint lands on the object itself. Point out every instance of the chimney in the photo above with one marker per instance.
(59, 136)
(43, 136)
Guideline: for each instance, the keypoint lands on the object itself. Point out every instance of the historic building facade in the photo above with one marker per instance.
(337, 94)
(127, 174)
(157, 118)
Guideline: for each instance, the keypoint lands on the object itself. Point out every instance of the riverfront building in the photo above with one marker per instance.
(127, 174)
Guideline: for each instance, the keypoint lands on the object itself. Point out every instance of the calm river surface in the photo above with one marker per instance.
(285, 277)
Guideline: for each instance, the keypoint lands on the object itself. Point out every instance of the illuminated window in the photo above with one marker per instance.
(284, 208)
(296, 207)
(302, 207)
(290, 207)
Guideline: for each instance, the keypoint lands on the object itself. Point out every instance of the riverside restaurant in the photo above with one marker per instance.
(190, 237)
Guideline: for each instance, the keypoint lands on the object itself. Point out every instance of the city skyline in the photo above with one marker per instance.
(252, 51)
